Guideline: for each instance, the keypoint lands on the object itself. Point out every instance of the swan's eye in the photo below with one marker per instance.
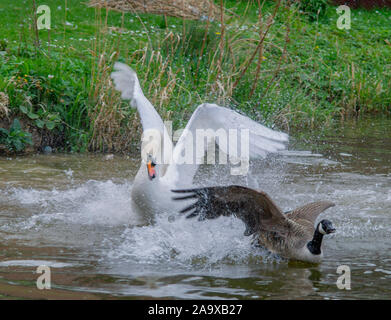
(151, 169)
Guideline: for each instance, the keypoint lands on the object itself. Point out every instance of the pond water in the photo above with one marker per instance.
(71, 212)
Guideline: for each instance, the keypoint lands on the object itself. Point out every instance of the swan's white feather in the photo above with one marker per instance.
(262, 140)
(126, 81)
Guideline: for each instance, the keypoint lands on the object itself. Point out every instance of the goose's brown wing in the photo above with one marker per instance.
(310, 211)
(255, 208)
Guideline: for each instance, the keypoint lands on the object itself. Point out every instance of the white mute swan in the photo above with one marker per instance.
(165, 167)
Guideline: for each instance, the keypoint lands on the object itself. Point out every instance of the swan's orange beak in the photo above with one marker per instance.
(151, 169)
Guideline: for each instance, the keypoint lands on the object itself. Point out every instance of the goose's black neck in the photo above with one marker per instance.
(316, 242)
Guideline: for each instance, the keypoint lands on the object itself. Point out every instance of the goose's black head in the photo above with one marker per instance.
(326, 227)
(323, 227)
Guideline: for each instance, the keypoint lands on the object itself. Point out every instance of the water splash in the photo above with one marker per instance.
(96, 206)
(184, 242)
(95, 202)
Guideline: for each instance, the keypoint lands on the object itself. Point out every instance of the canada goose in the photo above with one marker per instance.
(159, 174)
(291, 235)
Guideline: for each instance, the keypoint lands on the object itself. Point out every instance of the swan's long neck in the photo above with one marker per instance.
(314, 246)
(151, 122)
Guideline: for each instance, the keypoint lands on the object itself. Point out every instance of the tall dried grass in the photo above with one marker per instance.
(186, 9)
(4, 103)
(112, 128)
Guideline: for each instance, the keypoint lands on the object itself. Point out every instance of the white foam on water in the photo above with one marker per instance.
(94, 202)
(185, 242)
(383, 271)
(306, 158)
(34, 263)
(345, 154)
(297, 153)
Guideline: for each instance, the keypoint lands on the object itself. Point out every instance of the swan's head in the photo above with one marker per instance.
(325, 227)
(151, 151)
(151, 164)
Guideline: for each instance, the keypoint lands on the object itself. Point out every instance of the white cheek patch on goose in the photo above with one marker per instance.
(321, 230)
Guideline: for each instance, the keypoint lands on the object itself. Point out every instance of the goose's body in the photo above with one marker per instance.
(291, 235)
(151, 194)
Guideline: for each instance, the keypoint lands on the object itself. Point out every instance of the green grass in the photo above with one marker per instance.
(323, 74)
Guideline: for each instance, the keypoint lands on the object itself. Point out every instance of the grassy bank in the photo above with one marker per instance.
(293, 71)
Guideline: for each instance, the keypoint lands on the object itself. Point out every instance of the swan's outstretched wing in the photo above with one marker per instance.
(155, 134)
(255, 208)
(214, 118)
(126, 81)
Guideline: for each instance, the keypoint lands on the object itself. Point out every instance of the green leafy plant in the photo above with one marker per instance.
(42, 118)
(313, 8)
(3, 45)
(15, 139)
